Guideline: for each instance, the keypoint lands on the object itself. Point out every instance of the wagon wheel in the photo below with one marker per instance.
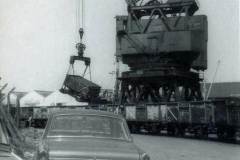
(155, 129)
(204, 131)
(231, 133)
(181, 130)
(201, 132)
(171, 130)
(221, 133)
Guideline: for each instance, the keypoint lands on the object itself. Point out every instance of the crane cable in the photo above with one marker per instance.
(79, 17)
(80, 10)
(83, 14)
(80, 23)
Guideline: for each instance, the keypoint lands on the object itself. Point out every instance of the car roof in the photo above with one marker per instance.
(86, 112)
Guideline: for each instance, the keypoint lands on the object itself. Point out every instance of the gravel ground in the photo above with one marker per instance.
(32, 135)
(168, 148)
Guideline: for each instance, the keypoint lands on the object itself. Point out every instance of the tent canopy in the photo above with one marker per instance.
(31, 99)
(58, 98)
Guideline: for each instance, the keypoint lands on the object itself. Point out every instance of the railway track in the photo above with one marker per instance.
(210, 137)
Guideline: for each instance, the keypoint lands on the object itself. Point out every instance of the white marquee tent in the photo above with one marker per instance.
(58, 98)
(31, 99)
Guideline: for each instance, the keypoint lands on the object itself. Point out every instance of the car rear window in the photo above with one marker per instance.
(88, 126)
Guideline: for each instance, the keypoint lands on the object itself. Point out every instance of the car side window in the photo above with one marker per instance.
(117, 130)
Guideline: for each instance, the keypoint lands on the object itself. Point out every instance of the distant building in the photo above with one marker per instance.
(223, 89)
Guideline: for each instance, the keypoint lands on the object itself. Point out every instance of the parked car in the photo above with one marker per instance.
(12, 143)
(88, 134)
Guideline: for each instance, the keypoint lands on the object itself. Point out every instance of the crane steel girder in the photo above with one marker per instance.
(171, 7)
(187, 38)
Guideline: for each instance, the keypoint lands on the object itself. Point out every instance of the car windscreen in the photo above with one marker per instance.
(90, 126)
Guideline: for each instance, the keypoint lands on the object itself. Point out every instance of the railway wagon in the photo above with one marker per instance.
(201, 118)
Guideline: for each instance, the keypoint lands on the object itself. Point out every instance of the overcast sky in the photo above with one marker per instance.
(38, 36)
